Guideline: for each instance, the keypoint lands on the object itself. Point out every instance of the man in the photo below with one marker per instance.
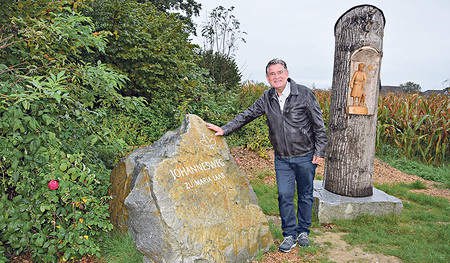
(297, 134)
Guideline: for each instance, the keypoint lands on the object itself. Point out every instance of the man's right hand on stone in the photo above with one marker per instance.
(215, 128)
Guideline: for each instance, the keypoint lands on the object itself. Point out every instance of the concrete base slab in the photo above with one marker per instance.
(329, 206)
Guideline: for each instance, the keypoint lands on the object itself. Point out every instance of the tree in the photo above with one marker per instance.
(36, 9)
(410, 87)
(446, 84)
(188, 9)
(150, 46)
(222, 32)
(223, 69)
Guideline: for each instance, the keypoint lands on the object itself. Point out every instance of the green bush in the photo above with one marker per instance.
(55, 152)
(222, 68)
(45, 137)
(255, 135)
(151, 47)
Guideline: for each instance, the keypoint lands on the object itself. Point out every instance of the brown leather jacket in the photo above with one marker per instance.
(296, 131)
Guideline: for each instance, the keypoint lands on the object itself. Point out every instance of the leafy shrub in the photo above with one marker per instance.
(222, 68)
(151, 47)
(255, 135)
(54, 151)
(42, 140)
(324, 99)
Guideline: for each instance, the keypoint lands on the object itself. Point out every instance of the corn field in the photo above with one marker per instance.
(418, 125)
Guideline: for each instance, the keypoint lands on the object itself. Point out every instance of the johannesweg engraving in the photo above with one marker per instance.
(198, 168)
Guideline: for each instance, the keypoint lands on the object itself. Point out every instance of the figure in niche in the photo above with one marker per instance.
(357, 85)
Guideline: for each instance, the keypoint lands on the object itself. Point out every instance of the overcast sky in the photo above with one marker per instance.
(416, 38)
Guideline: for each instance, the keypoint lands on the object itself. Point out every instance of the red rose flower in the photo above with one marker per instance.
(53, 185)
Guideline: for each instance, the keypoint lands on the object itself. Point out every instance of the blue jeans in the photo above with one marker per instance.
(289, 172)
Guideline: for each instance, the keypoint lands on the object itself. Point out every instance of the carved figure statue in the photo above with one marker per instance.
(357, 85)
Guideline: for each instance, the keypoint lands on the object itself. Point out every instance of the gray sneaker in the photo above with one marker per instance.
(289, 242)
(303, 240)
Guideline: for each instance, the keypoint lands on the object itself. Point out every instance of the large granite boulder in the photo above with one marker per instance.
(183, 199)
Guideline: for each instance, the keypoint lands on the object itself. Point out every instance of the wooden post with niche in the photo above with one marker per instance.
(354, 100)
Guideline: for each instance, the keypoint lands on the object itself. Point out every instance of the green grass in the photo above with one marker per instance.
(119, 247)
(276, 231)
(420, 234)
(267, 196)
(311, 250)
(392, 156)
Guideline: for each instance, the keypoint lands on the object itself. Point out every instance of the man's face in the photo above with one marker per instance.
(277, 76)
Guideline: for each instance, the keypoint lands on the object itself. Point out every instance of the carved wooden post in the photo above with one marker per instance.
(354, 100)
